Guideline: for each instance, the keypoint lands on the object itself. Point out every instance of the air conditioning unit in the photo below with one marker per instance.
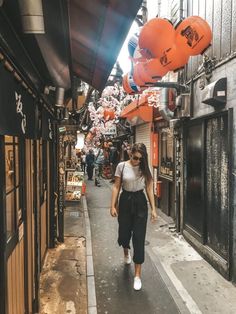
(183, 106)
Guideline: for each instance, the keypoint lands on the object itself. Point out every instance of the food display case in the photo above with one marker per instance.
(74, 185)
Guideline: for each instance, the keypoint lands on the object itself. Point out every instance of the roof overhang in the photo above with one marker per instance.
(138, 111)
(82, 40)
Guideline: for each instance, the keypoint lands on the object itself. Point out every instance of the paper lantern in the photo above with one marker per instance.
(89, 136)
(135, 88)
(193, 35)
(174, 58)
(144, 75)
(109, 114)
(136, 75)
(126, 85)
(156, 36)
(155, 69)
(137, 56)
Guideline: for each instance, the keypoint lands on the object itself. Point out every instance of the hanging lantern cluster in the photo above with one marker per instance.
(161, 47)
(106, 114)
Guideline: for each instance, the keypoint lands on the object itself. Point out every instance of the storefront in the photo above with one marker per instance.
(140, 116)
(25, 188)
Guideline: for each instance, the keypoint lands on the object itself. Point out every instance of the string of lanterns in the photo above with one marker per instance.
(160, 47)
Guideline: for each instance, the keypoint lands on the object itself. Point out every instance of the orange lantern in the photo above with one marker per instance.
(89, 136)
(109, 114)
(174, 58)
(193, 35)
(126, 85)
(156, 36)
(136, 75)
(135, 88)
(155, 69)
(144, 75)
(137, 56)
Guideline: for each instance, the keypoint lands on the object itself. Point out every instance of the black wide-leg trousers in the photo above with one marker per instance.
(132, 219)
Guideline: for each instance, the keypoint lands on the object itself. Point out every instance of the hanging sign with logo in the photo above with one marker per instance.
(17, 106)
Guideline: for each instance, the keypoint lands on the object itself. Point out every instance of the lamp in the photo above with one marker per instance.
(80, 140)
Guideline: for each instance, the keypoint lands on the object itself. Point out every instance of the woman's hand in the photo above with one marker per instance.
(153, 215)
(113, 212)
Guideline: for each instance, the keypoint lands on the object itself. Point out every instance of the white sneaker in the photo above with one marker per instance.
(137, 283)
(128, 259)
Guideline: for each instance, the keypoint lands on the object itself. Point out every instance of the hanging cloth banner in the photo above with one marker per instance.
(17, 107)
(47, 125)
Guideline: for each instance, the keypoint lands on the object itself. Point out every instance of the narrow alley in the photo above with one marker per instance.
(88, 89)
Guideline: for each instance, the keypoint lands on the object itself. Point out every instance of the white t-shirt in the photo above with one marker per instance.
(132, 179)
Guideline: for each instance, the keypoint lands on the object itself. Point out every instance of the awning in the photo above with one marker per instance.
(138, 111)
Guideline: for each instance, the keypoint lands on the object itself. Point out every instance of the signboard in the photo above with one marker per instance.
(17, 106)
(62, 129)
(111, 131)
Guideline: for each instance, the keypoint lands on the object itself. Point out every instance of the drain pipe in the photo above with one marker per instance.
(165, 112)
(32, 16)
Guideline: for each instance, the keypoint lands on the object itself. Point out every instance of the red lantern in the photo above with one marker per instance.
(155, 69)
(156, 36)
(193, 35)
(174, 58)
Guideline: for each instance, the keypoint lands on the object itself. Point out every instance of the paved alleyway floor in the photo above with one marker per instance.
(81, 277)
(175, 277)
(63, 287)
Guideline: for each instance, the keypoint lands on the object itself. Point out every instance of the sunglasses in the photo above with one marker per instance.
(137, 158)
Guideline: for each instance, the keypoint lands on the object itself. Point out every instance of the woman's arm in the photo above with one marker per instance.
(114, 197)
(150, 194)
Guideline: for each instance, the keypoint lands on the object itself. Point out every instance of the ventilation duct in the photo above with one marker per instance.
(32, 16)
(165, 112)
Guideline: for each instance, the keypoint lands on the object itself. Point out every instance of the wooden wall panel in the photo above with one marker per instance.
(9, 287)
(15, 280)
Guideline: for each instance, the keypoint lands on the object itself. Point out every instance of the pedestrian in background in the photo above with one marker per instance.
(133, 176)
(83, 161)
(98, 164)
(113, 160)
(90, 164)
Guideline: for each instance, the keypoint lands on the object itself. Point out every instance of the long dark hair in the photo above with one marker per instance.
(141, 149)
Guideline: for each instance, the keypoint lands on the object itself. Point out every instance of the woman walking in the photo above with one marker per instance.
(133, 176)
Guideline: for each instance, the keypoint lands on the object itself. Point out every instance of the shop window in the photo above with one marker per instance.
(13, 186)
(166, 153)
